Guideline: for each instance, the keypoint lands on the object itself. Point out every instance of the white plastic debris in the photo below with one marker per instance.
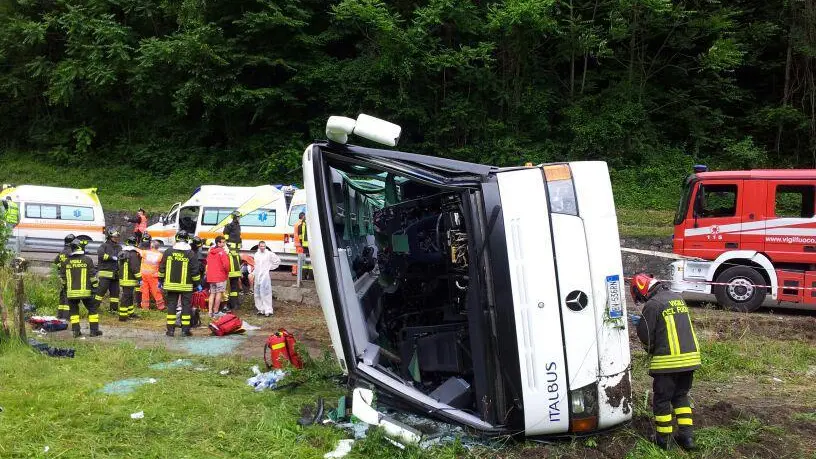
(343, 448)
(777, 379)
(139, 415)
(268, 380)
(248, 326)
(46, 449)
(223, 372)
(152, 381)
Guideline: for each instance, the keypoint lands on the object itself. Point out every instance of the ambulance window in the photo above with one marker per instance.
(794, 201)
(41, 211)
(294, 213)
(213, 215)
(85, 214)
(717, 201)
(260, 217)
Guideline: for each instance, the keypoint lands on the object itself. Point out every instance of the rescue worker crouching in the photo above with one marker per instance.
(232, 234)
(129, 277)
(108, 258)
(62, 307)
(178, 273)
(79, 275)
(666, 332)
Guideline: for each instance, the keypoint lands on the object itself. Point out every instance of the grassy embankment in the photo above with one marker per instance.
(125, 188)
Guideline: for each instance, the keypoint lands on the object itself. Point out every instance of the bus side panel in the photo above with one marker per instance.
(596, 208)
(318, 256)
(535, 299)
(574, 281)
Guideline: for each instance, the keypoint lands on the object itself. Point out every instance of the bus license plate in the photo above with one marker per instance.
(613, 294)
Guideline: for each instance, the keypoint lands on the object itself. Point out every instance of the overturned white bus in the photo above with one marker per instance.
(485, 296)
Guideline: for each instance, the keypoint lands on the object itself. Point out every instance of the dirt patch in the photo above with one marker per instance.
(621, 393)
(785, 325)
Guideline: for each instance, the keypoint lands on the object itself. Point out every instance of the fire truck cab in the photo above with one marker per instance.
(751, 237)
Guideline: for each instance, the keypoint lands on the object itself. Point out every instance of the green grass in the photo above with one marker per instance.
(645, 222)
(120, 187)
(755, 356)
(187, 413)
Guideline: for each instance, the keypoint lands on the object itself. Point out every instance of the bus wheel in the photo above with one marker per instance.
(741, 293)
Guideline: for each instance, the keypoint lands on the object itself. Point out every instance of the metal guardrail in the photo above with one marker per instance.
(48, 245)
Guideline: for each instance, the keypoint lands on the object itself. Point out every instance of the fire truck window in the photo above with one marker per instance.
(794, 201)
(717, 201)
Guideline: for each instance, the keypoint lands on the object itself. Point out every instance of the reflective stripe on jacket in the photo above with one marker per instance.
(12, 213)
(79, 274)
(150, 263)
(668, 334)
(179, 268)
(108, 267)
(129, 273)
(304, 234)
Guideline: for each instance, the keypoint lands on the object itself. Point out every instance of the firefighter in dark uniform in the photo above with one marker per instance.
(195, 244)
(178, 273)
(130, 264)
(232, 233)
(79, 275)
(666, 332)
(108, 258)
(62, 307)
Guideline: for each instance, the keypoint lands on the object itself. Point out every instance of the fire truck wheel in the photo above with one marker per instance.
(741, 294)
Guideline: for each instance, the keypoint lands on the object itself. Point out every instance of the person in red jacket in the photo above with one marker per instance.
(218, 266)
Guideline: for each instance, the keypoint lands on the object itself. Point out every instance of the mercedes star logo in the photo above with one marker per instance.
(577, 300)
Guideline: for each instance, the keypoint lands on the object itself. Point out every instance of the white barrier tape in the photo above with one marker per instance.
(655, 253)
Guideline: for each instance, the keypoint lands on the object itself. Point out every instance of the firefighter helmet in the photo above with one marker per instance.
(641, 286)
(146, 237)
(113, 233)
(78, 244)
(196, 241)
(182, 236)
(69, 238)
(236, 214)
(131, 240)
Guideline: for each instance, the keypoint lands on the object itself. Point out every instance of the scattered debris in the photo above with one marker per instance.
(343, 448)
(125, 386)
(268, 380)
(139, 415)
(249, 327)
(47, 323)
(51, 351)
(46, 449)
(178, 363)
(775, 379)
(200, 368)
(224, 372)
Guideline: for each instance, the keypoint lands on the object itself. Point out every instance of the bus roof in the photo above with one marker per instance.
(793, 174)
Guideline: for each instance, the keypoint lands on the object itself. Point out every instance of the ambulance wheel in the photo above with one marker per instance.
(741, 293)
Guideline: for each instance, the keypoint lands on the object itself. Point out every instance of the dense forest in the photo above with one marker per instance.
(651, 86)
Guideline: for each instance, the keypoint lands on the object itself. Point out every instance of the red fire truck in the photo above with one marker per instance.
(752, 236)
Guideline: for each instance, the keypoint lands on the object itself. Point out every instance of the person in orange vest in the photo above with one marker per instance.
(150, 276)
(141, 225)
(298, 242)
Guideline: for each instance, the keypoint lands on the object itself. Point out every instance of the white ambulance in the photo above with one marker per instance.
(263, 210)
(53, 213)
(490, 297)
(296, 206)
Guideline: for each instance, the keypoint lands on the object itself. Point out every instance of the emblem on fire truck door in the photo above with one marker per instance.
(715, 234)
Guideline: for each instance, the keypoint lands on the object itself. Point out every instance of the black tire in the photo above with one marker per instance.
(741, 295)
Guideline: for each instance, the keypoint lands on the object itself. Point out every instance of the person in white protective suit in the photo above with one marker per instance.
(265, 261)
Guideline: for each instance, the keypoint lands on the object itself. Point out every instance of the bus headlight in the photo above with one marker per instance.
(584, 409)
(560, 189)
